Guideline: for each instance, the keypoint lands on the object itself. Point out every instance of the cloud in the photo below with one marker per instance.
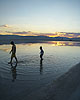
(72, 35)
(5, 26)
(23, 33)
(29, 33)
(62, 34)
(20, 32)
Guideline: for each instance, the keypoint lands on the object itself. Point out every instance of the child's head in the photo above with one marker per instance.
(40, 47)
(12, 43)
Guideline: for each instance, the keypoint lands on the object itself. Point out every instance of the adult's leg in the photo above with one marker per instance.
(11, 60)
(16, 59)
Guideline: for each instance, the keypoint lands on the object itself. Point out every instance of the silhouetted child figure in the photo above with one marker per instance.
(41, 52)
(13, 51)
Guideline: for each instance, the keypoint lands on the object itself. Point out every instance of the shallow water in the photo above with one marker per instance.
(31, 73)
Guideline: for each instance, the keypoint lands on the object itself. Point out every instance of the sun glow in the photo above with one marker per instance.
(57, 43)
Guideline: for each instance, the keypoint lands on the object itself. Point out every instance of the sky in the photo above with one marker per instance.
(39, 16)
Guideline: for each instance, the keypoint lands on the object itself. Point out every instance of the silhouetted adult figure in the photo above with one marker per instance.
(13, 51)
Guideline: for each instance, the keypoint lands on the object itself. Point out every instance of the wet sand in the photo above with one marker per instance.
(66, 87)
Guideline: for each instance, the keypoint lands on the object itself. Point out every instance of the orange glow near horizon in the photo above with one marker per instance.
(29, 33)
(79, 36)
(6, 33)
(53, 35)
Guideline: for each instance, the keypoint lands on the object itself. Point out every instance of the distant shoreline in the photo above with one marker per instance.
(6, 39)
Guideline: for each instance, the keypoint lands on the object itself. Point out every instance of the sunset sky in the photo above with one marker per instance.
(35, 17)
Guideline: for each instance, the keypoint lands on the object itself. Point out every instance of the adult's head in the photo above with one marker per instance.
(12, 42)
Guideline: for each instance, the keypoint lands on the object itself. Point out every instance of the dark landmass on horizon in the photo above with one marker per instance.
(6, 39)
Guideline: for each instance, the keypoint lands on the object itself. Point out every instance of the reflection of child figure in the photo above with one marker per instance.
(13, 51)
(41, 66)
(41, 53)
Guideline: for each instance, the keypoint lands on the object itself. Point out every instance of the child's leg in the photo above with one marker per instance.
(41, 56)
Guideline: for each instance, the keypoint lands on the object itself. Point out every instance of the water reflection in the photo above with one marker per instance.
(64, 43)
(41, 66)
(6, 48)
(14, 72)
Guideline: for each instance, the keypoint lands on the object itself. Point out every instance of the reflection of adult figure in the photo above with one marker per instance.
(14, 74)
(41, 66)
